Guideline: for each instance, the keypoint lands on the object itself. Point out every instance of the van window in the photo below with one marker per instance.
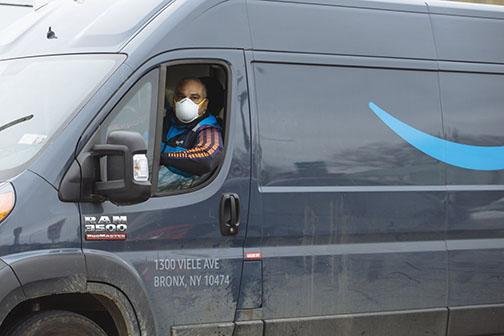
(316, 127)
(192, 139)
(136, 112)
(196, 146)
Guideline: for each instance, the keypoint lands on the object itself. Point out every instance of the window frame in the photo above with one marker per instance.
(160, 115)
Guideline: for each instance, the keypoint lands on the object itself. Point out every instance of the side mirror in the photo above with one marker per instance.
(124, 174)
(117, 171)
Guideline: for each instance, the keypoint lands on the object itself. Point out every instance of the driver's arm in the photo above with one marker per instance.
(202, 158)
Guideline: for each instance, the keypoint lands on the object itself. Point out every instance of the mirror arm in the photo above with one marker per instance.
(99, 151)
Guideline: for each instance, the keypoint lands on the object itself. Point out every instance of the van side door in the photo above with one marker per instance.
(348, 217)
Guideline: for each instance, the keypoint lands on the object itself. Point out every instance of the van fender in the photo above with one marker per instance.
(48, 272)
(107, 268)
(36, 274)
(10, 291)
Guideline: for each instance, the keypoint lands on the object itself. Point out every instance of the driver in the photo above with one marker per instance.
(192, 146)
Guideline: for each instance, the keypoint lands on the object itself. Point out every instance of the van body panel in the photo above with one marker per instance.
(482, 68)
(192, 24)
(350, 61)
(217, 329)
(417, 6)
(456, 8)
(423, 322)
(469, 39)
(43, 244)
(472, 112)
(39, 220)
(475, 263)
(388, 273)
(476, 320)
(249, 328)
(466, 94)
(340, 30)
(309, 154)
(367, 249)
(251, 285)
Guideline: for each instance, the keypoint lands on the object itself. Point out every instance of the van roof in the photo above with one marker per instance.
(91, 26)
(79, 26)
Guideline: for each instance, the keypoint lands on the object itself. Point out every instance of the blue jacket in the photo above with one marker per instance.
(190, 150)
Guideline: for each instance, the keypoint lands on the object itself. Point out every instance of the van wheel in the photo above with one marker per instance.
(57, 323)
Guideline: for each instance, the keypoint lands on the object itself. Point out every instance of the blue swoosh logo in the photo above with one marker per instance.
(452, 153)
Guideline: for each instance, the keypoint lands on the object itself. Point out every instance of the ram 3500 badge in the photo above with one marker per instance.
(105, 227)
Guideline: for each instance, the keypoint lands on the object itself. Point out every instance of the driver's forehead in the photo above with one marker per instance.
(191, 87)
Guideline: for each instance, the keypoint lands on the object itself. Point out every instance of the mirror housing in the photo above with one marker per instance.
(124, 173)
(117, 171)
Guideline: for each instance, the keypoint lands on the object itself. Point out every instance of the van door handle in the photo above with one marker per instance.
(229, 214)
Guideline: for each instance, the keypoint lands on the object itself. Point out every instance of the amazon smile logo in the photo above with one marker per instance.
(452, 153)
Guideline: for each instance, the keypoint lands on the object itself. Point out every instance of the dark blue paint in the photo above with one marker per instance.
(187, 225)
(39, 220)
(334, 252)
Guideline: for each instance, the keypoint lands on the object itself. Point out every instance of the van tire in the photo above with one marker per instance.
(57, 323)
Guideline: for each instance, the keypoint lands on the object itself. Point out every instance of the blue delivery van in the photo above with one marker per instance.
(360, 190)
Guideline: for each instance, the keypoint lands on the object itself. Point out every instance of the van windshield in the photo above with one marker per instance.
(39, 95)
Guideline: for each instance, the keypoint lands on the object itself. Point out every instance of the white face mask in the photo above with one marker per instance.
(186, 110)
